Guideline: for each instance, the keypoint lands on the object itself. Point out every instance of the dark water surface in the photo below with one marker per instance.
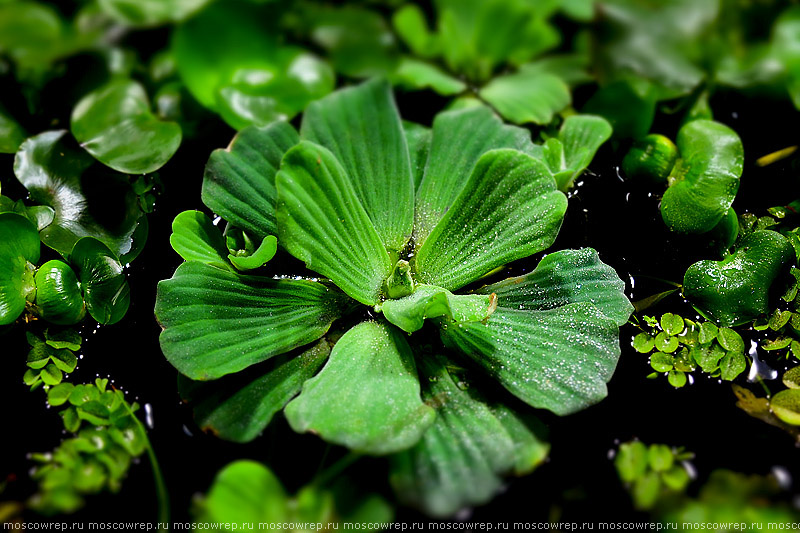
(578, 482)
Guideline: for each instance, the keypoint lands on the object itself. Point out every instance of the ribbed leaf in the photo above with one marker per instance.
(459, 139)
(217, 322)
(362, 128)
(239, 181)
(115, 124)
(509, 209)
(415, 75)
(195, 238)
(368, 395)
(705, 179)
(418, 138)
(562, 278)
(525, 97)
(239, 410)
(322, 223)
(19, 244)
(88, 200)
(427, 301)
(559, 359)
(105, 289)
(471, 444)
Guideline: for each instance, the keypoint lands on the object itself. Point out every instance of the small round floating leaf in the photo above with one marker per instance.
(703, 183)
(115, 124)
(650, 159)
(676, 478)
(786, 406)
(660, 457)
(730, 340)
(19, 247)
(662, 362)
(105, 288)
(731, 365)
(631, 461)
(708, 357)
(791, 378)
(672, 324)
(88, 199)
(708, 332)
(58, 294)
(59, 394)
(645, 490)
(676, 378)
(666, 343)
(383, 413)
(736, 289)
(643, 342)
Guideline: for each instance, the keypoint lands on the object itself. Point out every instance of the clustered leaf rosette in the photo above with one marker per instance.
(400, 222)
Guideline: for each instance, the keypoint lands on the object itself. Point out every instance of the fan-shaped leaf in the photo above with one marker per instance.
(509, 209)
(362, 128)
(427, 301)
(217, 322)
(195, 238)
(562, 278)
(239, 181)
(527, 96)
(471, 444)
(559, 359)
(368, 395)
(322, 222)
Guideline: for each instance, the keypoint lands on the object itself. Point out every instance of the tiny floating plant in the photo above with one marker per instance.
(400, 222)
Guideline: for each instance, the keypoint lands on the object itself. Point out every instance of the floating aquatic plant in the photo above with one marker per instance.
(400, 250)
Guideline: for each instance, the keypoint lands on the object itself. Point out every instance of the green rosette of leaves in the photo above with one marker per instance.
(393, 349)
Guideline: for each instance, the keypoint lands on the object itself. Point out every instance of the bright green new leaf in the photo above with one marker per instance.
(105, 288)
(217, 322)
(527, 96)
(731, 365)
(704, 180)
(786, 406)
(88, 200)
(418, 139)
(736, 289)
(244, 73)
(508, 209)
(265, 251)
(631, 461)
(410, 24)
(414, 74)
(322, 223)
(239, 411)
(58, 294)
(239, 181)
(459, 139)
(410, 313)
(367, 397)
(195, 238)
(146, 13)
(376, 160)
(19, 251)
(660, 457)
(791, 378)
(558, 359)
(708, 357)
(115, 124)
(562, 278)
(245, 492)
(472, 443)
(672, 324)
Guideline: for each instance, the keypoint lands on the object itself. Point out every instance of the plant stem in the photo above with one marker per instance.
(330, 473)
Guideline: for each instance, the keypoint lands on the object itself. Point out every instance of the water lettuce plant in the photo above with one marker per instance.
(399, 251)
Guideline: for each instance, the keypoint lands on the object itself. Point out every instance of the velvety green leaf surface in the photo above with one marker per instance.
(705, 179)
(114, 124)
(563, 278)
(239, 181)
(88, 200)
(559, 359)
(143, 13)
(361, 127)
(195, 238)
(736, 289)
(508, 209)
(58, 294)
(418, 138)
(244, 73)
(217, 322)
(527, 96)
(11, 133)
(19, 245)
(416, 75)
(459, 139)
(322, 223)
(245, 492)
(265, 251)
(105, 288)
(367, 397)
(462, 457)
(409, 313)
(239, 411)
